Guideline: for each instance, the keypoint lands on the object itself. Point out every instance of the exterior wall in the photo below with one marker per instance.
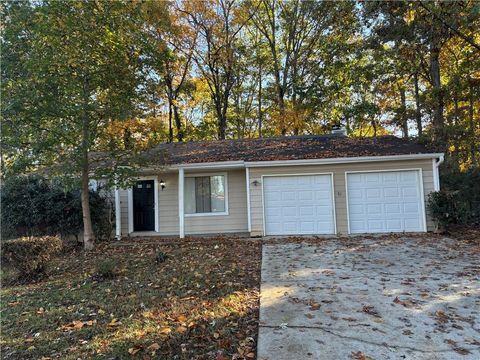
(235, 221)
(124, 211)
(338, 170)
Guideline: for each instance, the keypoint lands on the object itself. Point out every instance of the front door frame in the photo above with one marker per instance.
(156, 199)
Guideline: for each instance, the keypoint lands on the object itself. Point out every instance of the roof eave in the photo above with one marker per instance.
(240, 164)
(343, 160)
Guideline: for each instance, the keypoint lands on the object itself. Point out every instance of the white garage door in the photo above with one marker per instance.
(389, 201)
(298, 205)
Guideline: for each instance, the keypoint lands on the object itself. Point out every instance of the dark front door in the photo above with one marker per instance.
(143, 206)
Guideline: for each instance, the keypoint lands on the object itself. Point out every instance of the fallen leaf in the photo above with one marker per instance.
(181, 329)
(370, 310)
(153, 347)
(165, 331)
(134, 350)
(461, 351)
(114, 323)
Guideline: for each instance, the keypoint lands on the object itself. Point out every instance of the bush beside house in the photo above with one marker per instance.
(35, 206)
(458, 203)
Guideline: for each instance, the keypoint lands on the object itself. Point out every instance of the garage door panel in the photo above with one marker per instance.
(299, 204)
(307, 211)
(384, 202)
(391, 192)
(374, 225)
(305, 195)
(373, 194)
(324, 180)
(412, 224)
(372, 178)
(307, 226)
(357, 209)
(411, 208)
(289, 211)
(303, 180)
(389, 178)
(394, 224)
(410, 192)
(288, 195)
(374, 209)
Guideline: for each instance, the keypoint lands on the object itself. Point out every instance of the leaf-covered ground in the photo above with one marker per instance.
(200, 303)
(401, 296)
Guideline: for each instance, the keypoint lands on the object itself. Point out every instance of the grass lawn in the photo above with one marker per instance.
(200, 303)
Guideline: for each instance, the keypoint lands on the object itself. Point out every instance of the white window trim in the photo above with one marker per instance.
(422, 194)
(302, 174)
(156, 204)
(224, 213)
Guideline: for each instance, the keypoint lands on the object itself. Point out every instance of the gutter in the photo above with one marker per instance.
(342, 160)
(436, 175)
(240, 164)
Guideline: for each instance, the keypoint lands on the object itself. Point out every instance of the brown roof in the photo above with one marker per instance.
(281, 148)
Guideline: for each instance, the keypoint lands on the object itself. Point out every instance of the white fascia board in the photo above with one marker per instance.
(342, 160)
(210, 165)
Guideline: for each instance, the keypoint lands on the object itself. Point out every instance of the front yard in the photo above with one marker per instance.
(200, 302)
(370, 297)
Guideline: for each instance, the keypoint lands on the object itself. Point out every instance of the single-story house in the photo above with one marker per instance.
(301, 185)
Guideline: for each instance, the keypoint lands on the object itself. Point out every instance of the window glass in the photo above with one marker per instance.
(205, 194)
(190, 195)
(218, 193)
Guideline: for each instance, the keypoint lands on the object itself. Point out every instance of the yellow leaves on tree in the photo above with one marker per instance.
(135, 133)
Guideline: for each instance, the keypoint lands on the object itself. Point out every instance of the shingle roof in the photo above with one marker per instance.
(281, 148)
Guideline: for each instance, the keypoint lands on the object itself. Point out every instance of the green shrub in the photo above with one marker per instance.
(458, 203)
(35, 206)
(30, 255)
(161, 257)
(443, 208)
(107, 269)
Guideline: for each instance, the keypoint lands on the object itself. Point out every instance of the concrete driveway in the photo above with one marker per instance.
(392, 297)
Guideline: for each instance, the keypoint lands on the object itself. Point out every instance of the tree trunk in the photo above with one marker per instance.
(403, 113)
(260, 113)
(418, 113)
(88, 234)
(438, 126)
(473, 149)
(221, 121)
(178, 123)
(170, 127)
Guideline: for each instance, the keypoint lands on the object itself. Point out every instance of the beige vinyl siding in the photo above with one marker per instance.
(235, 221)
(124, 210)
(338, 171)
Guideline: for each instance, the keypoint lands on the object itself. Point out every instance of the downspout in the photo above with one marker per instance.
(436, 175)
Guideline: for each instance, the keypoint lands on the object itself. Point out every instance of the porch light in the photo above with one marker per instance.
(162, 184)
(256, 183)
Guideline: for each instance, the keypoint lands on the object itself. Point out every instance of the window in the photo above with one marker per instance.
(205, 195)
